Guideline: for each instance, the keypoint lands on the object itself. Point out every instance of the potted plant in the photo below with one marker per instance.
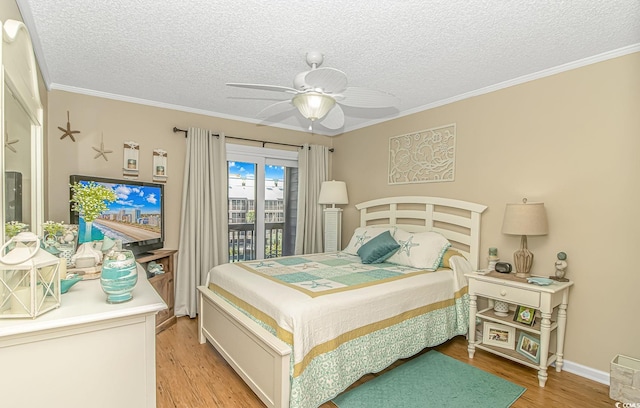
(12, 228)
(53, 229)
(90, 200)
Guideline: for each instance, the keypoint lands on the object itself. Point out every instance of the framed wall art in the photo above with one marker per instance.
(499, 335)
(131, 154)
(426, 156)
(159, 165)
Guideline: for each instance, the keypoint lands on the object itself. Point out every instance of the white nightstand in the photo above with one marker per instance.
(550, 303)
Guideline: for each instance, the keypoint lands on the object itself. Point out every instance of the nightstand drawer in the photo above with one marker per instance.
(505, 293)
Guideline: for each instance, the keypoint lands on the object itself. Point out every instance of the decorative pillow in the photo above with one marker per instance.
(422, 250)
(378, 249)
(362, 235)
(444, 263)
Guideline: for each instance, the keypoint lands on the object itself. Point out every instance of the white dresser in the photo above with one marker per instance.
(87, 353)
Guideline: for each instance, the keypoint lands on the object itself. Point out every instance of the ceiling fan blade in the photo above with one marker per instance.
(367, 98)
(334, 119)
(264, 87)
(275, 109)
(330, 80)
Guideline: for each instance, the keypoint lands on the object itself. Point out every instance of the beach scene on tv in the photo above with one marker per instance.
(134, 216)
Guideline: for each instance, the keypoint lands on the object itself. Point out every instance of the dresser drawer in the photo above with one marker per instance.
(506, 293)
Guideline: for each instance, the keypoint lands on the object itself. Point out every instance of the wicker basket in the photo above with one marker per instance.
(625, 379)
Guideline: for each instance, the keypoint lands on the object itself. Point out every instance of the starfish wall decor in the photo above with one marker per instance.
(101, 151)
(68, 131)
(8, 143)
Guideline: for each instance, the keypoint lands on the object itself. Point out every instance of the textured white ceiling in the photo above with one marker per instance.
(180, 54)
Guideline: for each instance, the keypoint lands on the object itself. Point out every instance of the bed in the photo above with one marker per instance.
(300, 329)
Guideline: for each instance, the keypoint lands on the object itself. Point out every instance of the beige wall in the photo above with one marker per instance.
(572, 141)
(151, 127)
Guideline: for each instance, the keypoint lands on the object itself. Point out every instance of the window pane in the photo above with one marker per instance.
(241, 198)
(262, 211)
(273, 210)
(291, 210)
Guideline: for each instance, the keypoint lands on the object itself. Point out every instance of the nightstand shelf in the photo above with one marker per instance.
(513, 355)
(487, 314)
(548, 301)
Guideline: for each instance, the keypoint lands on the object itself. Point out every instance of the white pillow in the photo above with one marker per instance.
(422, 250)
(362, 235)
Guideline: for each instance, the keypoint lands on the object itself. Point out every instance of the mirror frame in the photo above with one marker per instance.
(20, 74)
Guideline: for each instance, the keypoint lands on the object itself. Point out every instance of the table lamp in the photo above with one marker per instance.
(524, 219)
(333, 192)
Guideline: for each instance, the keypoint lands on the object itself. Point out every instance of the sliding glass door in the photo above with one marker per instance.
(262, 194)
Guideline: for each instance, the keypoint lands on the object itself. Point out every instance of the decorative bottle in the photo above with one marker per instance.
(493, 258)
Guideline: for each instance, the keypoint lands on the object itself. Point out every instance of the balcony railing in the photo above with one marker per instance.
(242, 240)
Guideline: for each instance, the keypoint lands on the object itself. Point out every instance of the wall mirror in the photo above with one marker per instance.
(21, 159)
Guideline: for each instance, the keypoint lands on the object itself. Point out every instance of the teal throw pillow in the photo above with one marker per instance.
(378, 249)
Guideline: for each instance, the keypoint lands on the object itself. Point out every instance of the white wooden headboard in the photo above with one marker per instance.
(458, 221)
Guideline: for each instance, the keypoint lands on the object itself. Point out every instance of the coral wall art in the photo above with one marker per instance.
(426, 156)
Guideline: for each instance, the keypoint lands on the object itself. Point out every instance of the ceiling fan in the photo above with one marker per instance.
(318, 94)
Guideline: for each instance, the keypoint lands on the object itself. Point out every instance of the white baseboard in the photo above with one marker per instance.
(587, 372)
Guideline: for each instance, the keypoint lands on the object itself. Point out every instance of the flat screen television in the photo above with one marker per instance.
(136, 217)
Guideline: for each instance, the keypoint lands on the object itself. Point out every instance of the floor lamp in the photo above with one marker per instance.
(332, 193)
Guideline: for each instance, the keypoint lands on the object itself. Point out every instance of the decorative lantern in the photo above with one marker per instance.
(29, 278)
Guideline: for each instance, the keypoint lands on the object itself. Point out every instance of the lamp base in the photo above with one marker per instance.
(332, 229)
(523, 259)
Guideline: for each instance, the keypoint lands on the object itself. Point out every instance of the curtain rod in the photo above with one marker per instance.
(176, 130)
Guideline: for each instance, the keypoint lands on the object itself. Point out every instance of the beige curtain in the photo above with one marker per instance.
(203, 221)
(313, 169)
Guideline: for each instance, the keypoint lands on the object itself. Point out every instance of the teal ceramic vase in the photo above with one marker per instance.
(118, 276)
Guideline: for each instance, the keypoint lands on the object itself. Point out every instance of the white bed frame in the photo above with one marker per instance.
(260, 358)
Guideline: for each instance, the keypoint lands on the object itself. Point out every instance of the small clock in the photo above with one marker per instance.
(503, 267)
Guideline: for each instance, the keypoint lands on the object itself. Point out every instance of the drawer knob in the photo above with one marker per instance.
(503, 293)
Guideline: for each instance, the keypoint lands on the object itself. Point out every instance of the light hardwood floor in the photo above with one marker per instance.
(192, 375)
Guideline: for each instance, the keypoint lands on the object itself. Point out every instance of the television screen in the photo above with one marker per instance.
(135, 217)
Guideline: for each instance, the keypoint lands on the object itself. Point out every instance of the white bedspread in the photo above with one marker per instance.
(314, 322)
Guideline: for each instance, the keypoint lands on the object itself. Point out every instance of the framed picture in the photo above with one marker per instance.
(499, 335)
(529, 347)
(525, 315)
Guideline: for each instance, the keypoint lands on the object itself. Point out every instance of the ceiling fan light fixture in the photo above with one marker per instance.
(313, 105)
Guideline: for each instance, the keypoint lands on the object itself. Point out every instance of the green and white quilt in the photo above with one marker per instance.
(342, 318)
(323, 274)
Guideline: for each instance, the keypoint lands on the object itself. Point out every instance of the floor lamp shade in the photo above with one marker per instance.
(332, 193)
(524, 219)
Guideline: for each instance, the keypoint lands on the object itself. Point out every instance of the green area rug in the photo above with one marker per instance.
(432, 380)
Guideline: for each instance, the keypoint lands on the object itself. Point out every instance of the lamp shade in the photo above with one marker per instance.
(313, 105)
(525, 219)
(333, 192)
